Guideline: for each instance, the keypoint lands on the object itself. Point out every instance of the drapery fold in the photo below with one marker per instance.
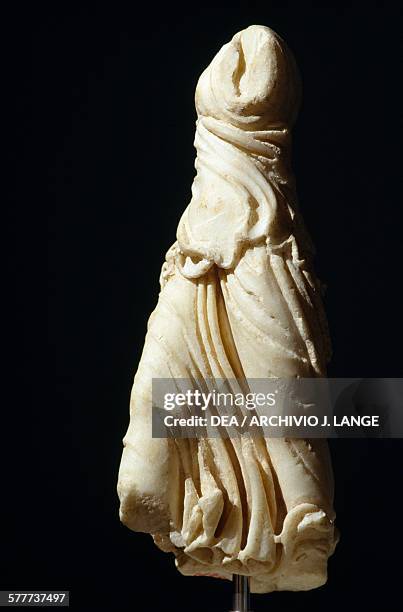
(230, 499)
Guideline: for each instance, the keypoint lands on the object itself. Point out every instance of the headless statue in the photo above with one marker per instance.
(239, 299)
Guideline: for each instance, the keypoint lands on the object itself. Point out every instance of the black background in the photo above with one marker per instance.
(102, 124)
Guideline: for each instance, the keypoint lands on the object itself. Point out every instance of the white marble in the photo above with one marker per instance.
(238, 298)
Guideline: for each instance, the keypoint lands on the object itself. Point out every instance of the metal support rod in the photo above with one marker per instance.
(241, 593)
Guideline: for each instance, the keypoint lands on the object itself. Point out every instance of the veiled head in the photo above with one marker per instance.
(252, 82)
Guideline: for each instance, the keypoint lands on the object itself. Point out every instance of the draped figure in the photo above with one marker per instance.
(239, 299)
